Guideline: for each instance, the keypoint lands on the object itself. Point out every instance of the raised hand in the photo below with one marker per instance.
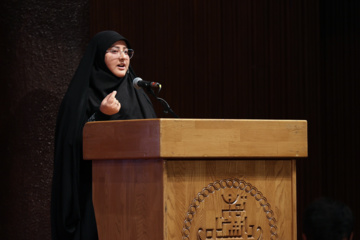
(110, 105)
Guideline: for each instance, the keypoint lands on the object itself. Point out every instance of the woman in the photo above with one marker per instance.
(101, 89)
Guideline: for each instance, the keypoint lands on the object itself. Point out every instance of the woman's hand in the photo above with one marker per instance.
(110, 105)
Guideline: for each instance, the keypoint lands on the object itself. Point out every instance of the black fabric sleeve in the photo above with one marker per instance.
(98, 116)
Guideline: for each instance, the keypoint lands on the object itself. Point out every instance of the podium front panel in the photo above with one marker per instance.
(230, 199)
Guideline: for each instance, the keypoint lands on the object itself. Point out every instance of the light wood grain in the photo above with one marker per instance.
(176, 179)
(233, 138)
(161, 138)
(273, 178)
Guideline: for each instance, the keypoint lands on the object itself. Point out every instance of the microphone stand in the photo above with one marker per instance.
(165, 105)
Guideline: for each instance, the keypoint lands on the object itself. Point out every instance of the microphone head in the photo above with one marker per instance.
(135, 82)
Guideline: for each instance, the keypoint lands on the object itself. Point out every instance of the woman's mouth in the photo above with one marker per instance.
(121, 65)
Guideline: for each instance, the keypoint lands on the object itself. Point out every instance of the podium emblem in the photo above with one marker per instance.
(230, 209)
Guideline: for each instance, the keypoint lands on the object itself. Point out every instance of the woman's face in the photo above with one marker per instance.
(117, 60)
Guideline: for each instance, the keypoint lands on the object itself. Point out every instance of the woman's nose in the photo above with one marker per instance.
(122, 54)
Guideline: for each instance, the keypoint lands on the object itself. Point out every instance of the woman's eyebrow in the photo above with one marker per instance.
(117, 47)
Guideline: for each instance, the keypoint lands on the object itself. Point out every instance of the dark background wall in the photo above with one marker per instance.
(268, 59)
(41, 44)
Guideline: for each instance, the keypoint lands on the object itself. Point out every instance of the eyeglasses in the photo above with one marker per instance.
(115, 51)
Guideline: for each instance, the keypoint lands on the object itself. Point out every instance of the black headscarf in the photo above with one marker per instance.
(72, 214)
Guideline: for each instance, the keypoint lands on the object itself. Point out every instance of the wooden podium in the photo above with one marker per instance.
(174, 179)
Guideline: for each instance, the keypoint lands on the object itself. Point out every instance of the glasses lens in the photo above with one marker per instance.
(130, 53)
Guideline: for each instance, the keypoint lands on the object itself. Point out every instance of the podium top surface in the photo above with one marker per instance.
(195, 138)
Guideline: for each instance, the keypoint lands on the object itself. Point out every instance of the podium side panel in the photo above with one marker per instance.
(128, 139)
(128, 199)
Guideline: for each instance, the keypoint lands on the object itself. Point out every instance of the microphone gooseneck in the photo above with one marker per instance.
(138, 83)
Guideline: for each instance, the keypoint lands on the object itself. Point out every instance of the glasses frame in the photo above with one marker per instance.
(121, 52)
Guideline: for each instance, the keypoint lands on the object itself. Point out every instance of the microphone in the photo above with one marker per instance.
(139, 83)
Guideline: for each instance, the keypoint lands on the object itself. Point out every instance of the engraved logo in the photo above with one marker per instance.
(230, 219)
